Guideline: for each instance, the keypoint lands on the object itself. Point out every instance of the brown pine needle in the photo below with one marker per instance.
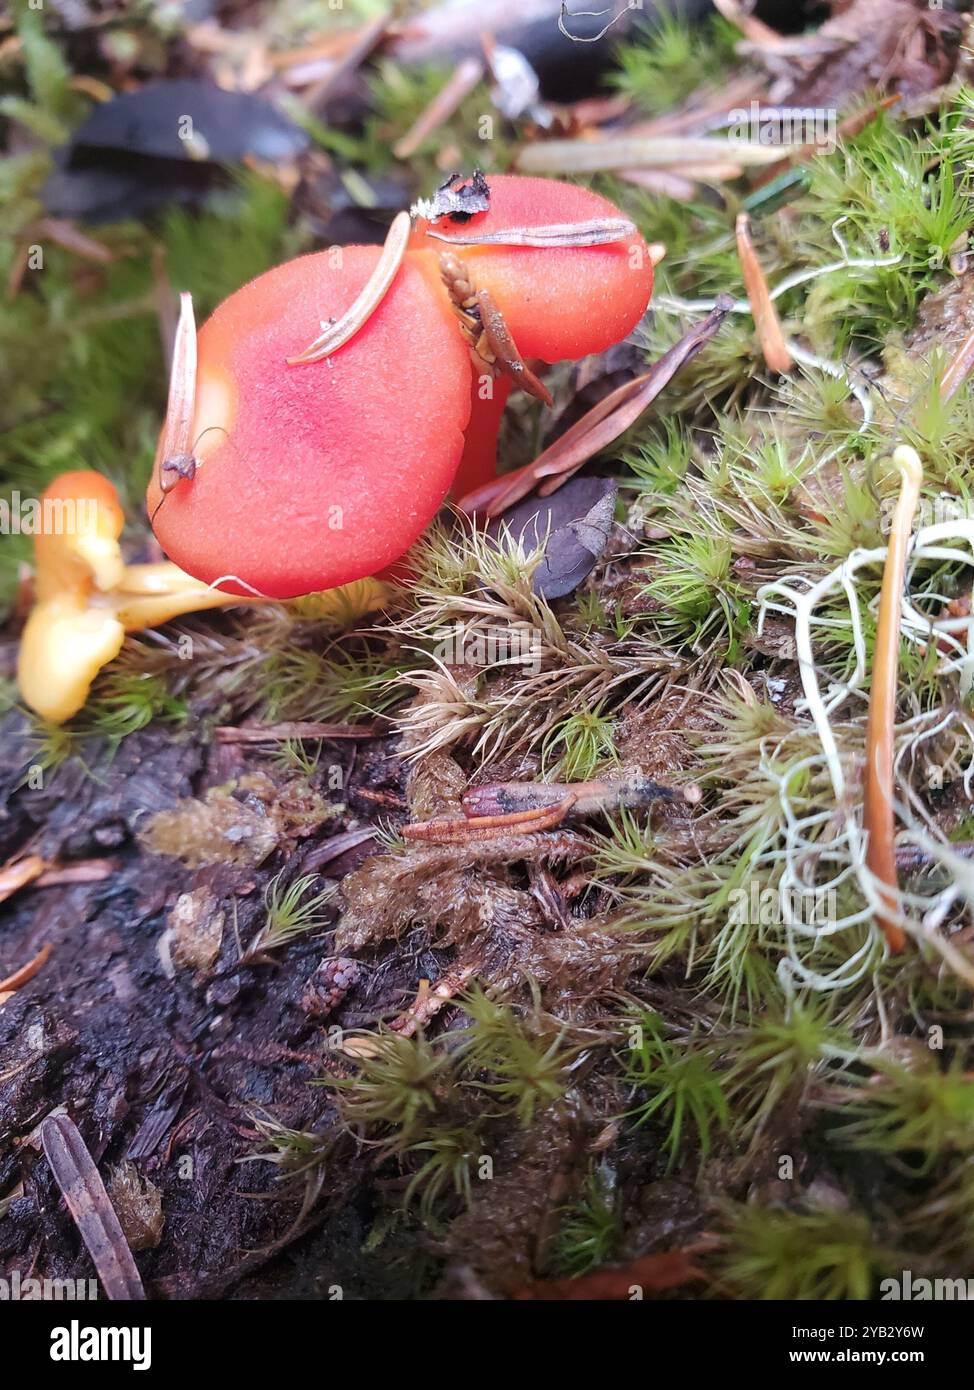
(959, 369)
(374, 291)
(600, 231)
(465, 77)
(90, 1208)
(606, 156)
(177, 431)
(17, 875)
(64, 233)
(761, 35)
(468, 829)
(774, 349)
(279, 733)
(878, 801)
(26, 972)
(81, 871)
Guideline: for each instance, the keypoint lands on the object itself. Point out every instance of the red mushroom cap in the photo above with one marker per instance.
(559, 302)
(323, 472)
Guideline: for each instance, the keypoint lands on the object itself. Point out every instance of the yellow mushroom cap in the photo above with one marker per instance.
(70, 635)
(88, 598)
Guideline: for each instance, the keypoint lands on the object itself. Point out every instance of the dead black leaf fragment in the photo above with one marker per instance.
(459, 198)
(573, 525)
(191, 119)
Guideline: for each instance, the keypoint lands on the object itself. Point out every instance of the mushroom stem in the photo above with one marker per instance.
(478, 463)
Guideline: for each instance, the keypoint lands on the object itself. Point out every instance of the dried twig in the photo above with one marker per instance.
(603, 424)
(429, 1002)
(878, 800)
(766, 321)
(508, 800)
(90, 1207)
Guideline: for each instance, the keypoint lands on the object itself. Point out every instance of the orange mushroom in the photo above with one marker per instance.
(317, 422)
(316, 473)
(558, 300)
(323, 453)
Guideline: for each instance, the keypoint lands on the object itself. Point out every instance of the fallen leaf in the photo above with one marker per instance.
(603, 424)
(573, 526)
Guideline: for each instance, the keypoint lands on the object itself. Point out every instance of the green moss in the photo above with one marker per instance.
(669, 60)
(676, 1085)
(591, 1228)
(775, 1253)
(922, 1113)
(577, 748)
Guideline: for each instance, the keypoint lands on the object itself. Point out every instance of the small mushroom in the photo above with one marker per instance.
(313, 473)
(558, 301)
(87, 598)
